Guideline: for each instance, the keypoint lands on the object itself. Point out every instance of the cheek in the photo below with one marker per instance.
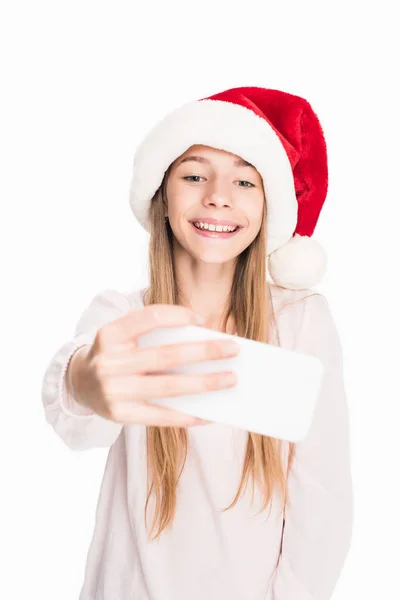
(255, 212)
(180, 198)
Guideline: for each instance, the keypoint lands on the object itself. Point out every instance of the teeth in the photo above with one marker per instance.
(211, 227)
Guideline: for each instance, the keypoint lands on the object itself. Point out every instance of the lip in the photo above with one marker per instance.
(215, 221)
(215, 234)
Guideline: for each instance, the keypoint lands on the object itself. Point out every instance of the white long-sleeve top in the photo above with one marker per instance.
(210, 554)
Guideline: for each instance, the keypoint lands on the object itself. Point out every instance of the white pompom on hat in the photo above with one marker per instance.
(281, 136)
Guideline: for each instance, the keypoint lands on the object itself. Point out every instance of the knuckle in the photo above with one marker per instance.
(135, 362)
(114, 411)
(102, 336)
(164, 356)
(211, 381)
(166, 313)
(168, 386)
(106, 392)
(216, 349)
(99, 365)
(115, 402)
(155, 312)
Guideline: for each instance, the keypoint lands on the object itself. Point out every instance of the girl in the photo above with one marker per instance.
(220, 184)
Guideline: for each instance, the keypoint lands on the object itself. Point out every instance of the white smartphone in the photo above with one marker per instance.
(277, 388)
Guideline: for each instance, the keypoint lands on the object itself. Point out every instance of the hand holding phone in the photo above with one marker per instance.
(276, 389)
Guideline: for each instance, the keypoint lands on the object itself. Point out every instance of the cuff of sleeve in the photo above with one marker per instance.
(68, 403)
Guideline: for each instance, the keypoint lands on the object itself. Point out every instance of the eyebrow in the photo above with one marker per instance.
(201, 159)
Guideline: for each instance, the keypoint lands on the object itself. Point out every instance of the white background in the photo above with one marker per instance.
(82, 82)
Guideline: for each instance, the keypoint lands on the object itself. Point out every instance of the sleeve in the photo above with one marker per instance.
(319, 515)
(79, 427)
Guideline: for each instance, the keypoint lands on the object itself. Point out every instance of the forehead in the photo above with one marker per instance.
(207, 155)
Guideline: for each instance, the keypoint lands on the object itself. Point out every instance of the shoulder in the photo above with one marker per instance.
(297, 311)
(284, 296)
(295, 301)
(113, 300)
(135, 298)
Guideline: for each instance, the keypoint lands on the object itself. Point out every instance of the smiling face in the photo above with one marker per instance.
(214, 189)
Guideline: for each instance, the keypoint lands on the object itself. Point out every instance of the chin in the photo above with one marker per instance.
(211, 255)
(214, 258)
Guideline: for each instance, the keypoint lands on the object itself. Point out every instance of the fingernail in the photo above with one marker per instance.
(232, 347)
(200, 320)
(229, 379)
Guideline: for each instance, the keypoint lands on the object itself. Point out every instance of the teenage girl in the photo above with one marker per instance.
(226, 186)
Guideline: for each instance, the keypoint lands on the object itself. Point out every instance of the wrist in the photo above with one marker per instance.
(74, 372)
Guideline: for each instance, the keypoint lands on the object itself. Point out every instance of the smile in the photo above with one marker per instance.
(214, 234)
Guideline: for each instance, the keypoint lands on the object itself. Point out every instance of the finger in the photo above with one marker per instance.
(159, 416)
(139, 322)
(162, 358)
(166, 386)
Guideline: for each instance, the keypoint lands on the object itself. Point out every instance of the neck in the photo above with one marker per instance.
(205, 289)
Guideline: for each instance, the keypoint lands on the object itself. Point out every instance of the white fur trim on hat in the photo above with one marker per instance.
(230, 127)
(299, 264)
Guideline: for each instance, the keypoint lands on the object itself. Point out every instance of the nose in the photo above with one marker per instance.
(217, 195)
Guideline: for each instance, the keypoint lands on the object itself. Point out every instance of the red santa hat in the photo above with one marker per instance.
(281, 136)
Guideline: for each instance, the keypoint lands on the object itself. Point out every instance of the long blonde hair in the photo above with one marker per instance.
(249, 305)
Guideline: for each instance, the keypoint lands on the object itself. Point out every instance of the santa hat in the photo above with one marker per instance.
(280, 135)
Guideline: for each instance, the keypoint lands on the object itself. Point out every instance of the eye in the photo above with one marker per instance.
(247, 184)
(192, 178)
